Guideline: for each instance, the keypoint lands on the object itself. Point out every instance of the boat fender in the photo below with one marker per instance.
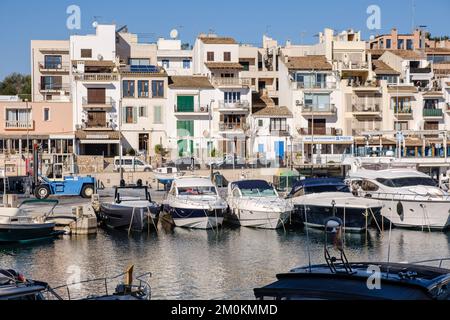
(400, 210)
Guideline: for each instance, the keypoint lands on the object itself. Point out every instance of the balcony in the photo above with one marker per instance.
(403, 113)
(320, 132)
(54, 87)
(192, 111)
(242, 106)
(283, 131)
(107, 103)
(54, 67)
(321, 111)
(366, 110)
(19, 125)
(319, 86)
(432, 114)
(96, 77)
(231, 127)
(231, 82)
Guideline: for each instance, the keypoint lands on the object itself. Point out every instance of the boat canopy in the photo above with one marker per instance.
(252, 184)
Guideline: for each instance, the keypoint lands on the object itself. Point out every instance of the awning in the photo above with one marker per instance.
(99, 141)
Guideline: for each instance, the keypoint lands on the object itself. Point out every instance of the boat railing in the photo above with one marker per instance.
(143, 284)
(402, 197)
(438, 261)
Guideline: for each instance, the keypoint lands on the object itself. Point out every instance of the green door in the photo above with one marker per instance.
(185, 129)
(185, 103)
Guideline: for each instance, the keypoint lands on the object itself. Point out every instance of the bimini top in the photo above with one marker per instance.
(252, 184)
(387, 174)
(186, 182)
(316, 185)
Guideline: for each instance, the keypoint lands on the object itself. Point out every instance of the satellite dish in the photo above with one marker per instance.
(95, 24)
(174, 34)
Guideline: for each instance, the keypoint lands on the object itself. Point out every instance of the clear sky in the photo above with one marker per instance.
(245, 20)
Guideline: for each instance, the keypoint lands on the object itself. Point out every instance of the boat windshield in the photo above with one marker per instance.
(327, 188)
(197, 191)
(258, 192)
(407, 182)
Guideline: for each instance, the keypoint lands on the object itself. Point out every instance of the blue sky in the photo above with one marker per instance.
(245, 20)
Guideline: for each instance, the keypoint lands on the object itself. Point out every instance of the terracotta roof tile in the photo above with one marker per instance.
(180, 82)
(308, 63)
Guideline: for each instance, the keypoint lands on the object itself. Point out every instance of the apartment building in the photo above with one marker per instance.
(174, 58)
(51, 68)
(96, 92)
(218, 59)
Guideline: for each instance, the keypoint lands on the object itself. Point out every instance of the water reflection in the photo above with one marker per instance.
(216, 264)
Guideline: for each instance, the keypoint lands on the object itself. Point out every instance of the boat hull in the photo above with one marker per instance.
(121, 217)
(194, 218)
(258, 219)
(355, 219)
(26, 232)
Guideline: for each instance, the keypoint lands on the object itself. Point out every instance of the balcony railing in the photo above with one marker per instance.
(107, 102)
(203, 109)
(323, 109)
(19, 124)
(321, 131)
(226, 126)
(100, 77)
(313, 86)
(54, 87)
(219, 81)
(363, 107)
(54, 67)
(243, 104)
(434, 113)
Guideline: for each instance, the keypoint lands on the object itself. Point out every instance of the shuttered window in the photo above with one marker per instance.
(185, 103)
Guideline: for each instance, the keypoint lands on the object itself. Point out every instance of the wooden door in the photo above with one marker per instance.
(96, 95)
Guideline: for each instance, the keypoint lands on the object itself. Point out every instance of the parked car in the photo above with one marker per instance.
(131, 164)
(185, 163)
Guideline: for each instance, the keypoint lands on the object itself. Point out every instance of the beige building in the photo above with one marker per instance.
(51, 68)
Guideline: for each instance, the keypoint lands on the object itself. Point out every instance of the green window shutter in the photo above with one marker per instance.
(185, 103)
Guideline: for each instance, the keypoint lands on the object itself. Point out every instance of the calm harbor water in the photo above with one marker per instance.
(196, 264)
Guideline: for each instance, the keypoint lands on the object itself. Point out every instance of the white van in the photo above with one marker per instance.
(131, 164)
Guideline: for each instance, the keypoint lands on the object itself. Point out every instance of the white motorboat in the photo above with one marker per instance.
(255, 203)
(411, 199)
(317, 199)
(194, 202)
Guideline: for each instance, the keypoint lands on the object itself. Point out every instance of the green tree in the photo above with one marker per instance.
(16, 84)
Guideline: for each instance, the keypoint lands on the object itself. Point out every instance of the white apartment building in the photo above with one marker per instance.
(96, 92)
(176, 60)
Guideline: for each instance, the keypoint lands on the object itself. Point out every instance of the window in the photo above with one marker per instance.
(232, 97)
(210, 56)
(128, 88)
(130, 115)
(186, 64)
(260, 123)
(157, 115)
(53, 62)
(409, 44)
(143, 141)
(86, 53)
(278, 124)
(143, 89)
(227, 56)
(400, 44)
(143, 112)
(139, 62)
(158, 89)
(166, 64)
(388, 43)
(46, 114)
